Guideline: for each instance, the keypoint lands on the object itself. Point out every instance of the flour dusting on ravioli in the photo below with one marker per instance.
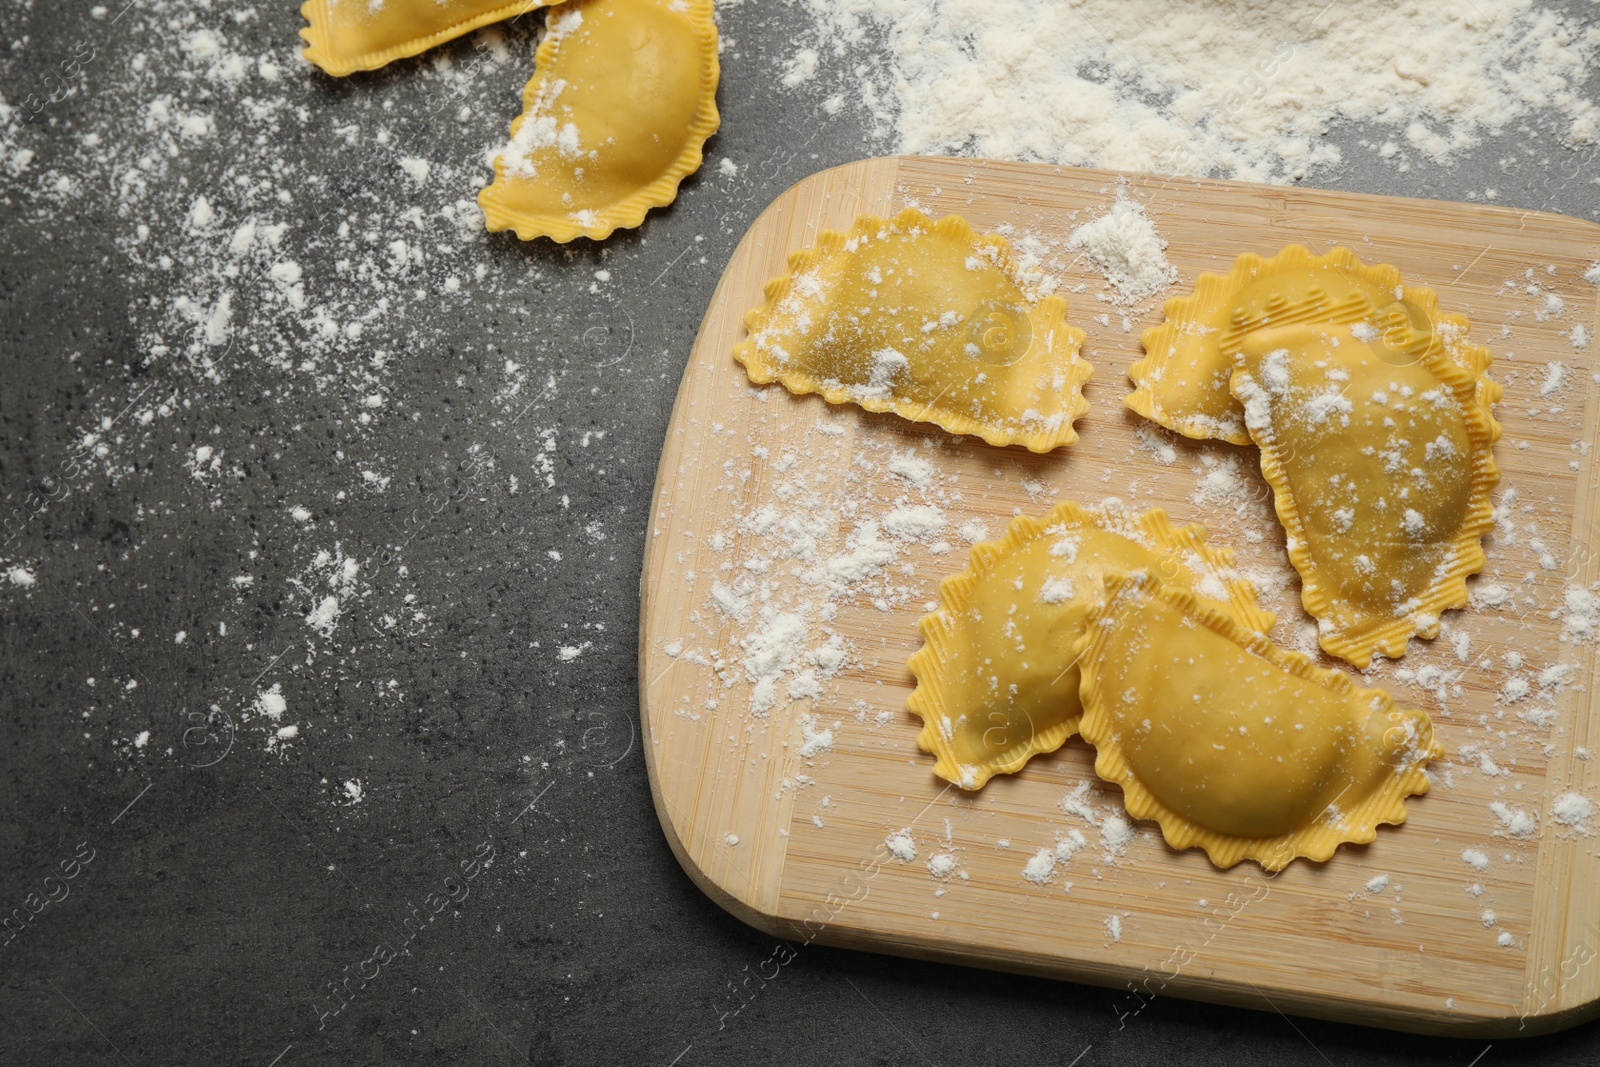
(345, 36)
(927, 320)
(1234, 745)
(997, 684)
(620, 106)
(1381, 471)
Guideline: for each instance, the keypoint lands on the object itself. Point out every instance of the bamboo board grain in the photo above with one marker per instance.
(789, 836)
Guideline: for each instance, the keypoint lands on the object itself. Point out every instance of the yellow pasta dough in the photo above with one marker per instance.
(344, 36)
(996, 684)
(1381, 473)
(926, 320)
(1182, 382)
(620, 106)
(1236, 746)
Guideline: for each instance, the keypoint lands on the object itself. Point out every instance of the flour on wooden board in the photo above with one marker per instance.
(1572, 810)
(861, 523)
(1125, 248)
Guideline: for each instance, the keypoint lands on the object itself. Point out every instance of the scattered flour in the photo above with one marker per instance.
(913, 468)
(324, 618)
(1475, 858)
(1554, 375)
(1069, 846)
(1115, 833)
(817, 738)
(1515, 821)
(270, 702)
(1155, 443)
(769, 653)
(1056, 591)
(416, 168)
(901, 846)
(267, 713)
(1572, 809)
(335, 571)
(801, 68)
(1222, 483)
(915, 523)
(1077, 803)
(973, 530)
(1040, 867)
(1231, 88)
(1579, 614)
(1124, 247)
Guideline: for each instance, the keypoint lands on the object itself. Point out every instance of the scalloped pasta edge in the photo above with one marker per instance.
(319, 39)
(1053, 309)
(1248, 267)
(930, 662)
(1208, 287)
(630, 212)
(1384, 806)
(1448, 591)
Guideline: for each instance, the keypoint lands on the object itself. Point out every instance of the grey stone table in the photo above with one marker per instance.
(322, 523)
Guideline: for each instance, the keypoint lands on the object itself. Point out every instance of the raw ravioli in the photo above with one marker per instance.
(620, 106)
(344, 36)
(996, 681)
(1236, 746)
(927, 320)
(1182, 382)
(1381, 473)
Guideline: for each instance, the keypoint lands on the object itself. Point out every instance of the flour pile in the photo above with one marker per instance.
(1235, 88)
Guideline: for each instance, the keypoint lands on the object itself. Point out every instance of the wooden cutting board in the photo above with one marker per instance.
(782, 817)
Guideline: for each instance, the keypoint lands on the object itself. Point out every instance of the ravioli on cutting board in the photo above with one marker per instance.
(1236, 746)
(996, 683)
(927, 320)
(1381, 474)
(1182, 381)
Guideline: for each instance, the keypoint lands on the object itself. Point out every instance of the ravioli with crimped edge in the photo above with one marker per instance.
(616, 115)
(1236, 746)
(1182, 381)
(1381, 472)
(927, 320)
(344, 36)
(996, 684)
